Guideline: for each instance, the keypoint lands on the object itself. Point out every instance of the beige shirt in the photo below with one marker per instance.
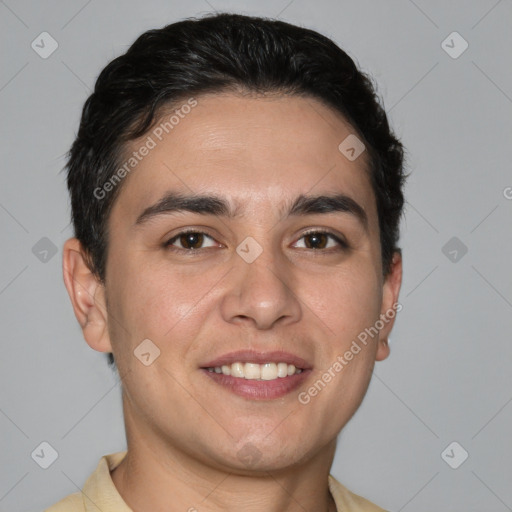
(100, 493)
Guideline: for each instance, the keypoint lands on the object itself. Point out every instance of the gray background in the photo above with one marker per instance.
(448, 377)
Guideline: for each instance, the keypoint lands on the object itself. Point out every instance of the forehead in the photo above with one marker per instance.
(252, 150)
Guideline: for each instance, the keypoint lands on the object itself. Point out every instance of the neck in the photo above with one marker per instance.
(156, 476)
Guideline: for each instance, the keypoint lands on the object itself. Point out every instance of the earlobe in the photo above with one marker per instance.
(87, 296)
(390, 305)
(383, 349)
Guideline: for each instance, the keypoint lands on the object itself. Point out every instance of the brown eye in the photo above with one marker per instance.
(189, 240)
(320, 240)
(316, 240)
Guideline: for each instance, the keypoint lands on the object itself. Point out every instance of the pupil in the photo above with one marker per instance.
(316, 237)
(192, 239)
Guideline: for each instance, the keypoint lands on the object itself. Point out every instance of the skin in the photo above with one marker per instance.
(184, 431)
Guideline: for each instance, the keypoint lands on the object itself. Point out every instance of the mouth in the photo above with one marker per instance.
(258, 375)
(255, 371)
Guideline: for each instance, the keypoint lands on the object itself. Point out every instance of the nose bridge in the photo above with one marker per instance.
(260, 288)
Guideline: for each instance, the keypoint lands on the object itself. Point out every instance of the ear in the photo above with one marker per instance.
(390, 305)
(87, 296)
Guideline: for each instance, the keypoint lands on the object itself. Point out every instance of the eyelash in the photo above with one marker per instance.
(168, 245)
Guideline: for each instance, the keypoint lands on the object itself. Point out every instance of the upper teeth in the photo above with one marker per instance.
(254, 371)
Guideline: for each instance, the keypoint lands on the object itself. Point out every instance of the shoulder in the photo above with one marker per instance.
(71, 503)
(98, 492)
(348, 501)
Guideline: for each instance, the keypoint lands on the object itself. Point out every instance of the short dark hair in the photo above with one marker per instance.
(222, 53)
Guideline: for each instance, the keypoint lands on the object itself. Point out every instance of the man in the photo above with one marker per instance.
(236, 193)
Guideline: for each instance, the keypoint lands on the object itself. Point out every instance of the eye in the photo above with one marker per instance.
(194, 240)
(189, 240)
(319, 239)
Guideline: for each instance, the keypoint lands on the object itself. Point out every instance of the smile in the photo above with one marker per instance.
(257, 374)
(254, 371)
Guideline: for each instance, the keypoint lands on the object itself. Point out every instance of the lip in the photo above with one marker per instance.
(259, 389)
(253, 356)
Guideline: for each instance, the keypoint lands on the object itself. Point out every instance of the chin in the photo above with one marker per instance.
(265, 453)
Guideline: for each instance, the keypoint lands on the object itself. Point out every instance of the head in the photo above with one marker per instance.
(253, 114)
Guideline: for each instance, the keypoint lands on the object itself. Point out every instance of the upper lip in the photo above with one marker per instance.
(252, 356)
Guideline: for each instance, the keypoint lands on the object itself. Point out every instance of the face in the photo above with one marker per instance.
(254, 275)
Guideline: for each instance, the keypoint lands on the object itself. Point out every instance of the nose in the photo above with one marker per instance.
(261, 293)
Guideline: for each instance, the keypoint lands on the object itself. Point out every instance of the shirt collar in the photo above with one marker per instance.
(99, 492)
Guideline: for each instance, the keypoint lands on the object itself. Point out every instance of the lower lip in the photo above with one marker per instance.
(259, 389)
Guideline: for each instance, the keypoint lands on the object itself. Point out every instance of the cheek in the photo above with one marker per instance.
(156, 302)
(347, 302)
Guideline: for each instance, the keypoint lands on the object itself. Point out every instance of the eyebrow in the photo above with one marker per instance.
(173, 202)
